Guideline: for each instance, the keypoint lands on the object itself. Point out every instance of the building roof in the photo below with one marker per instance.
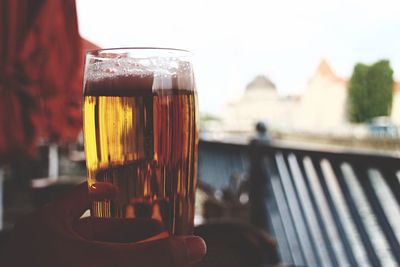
(324, 69)
(396, 87)
(261, 81)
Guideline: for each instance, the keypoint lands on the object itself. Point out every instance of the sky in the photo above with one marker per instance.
(235, 40)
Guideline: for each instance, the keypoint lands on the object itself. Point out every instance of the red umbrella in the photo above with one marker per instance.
(40, 74)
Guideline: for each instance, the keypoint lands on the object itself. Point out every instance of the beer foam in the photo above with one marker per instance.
(129, 76)
(125, 67)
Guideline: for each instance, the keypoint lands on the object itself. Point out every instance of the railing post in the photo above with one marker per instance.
(309, 247)
(324, 232)
(338, 223)
(389, 174)
(369, 248)
(364, 179)
(278, 198)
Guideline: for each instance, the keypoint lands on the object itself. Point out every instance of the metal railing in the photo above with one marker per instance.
(325, 208)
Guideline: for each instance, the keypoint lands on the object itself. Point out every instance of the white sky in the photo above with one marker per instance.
(234, 40)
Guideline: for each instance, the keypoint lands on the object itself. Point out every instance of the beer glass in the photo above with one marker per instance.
(141, 135)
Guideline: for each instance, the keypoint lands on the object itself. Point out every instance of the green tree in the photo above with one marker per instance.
(357, 94)
(370, 91)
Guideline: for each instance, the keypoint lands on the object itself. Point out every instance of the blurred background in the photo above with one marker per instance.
(289, 64)
(299, 105)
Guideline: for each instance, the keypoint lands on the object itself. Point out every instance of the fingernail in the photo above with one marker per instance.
(196, 248)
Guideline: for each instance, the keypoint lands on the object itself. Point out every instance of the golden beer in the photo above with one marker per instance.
(141, 137)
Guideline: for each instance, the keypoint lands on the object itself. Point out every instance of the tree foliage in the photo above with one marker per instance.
(370, 91)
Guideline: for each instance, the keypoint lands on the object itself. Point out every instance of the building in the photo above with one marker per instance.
(260, 102)
(396, 104)
(323, 103)
(321, 109)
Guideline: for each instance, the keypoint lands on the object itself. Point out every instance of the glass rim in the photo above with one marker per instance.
(97, 53)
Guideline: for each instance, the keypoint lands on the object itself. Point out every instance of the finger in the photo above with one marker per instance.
(180, 251)
(76, 202)
(117, 230)
(73, 204)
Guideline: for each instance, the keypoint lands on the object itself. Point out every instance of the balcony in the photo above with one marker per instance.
(325, 208)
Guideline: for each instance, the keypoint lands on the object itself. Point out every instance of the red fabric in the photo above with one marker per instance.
(41, 67)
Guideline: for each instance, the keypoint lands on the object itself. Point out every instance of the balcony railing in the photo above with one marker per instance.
(325, 208)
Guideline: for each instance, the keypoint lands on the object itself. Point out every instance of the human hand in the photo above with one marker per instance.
(55, 236)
